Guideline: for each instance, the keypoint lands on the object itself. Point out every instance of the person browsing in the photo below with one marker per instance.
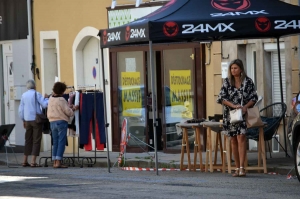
(30, 104)
(59, 113)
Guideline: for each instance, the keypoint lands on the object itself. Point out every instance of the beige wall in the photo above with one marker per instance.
(67, 17)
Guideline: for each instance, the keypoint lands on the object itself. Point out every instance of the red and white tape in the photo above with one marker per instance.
(273, 173)
(153, 169)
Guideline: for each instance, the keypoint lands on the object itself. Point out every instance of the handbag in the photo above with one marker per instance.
(253, 117)
(40, 118)
(236, 115)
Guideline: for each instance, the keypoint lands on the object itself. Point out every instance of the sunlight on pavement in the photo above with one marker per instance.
(17, 197)
(4, 179)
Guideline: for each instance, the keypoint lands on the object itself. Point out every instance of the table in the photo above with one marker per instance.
(216, 127)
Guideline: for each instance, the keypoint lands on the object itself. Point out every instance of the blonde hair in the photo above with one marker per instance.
(240, 64)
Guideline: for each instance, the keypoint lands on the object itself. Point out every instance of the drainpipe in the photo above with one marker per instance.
(299, 49)
(30, 40)
(299, 40)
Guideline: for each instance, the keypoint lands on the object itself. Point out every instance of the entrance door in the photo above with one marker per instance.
(131, 97)
(179, 98)
(8, 93)
(91, 67)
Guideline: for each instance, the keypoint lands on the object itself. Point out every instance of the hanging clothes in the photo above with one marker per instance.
(76, 103)
(87, 110)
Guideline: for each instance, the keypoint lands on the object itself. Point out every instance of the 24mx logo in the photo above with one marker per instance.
(114, 36)
(134, 33)
(221, 27)
(283, 24)
(137, 33)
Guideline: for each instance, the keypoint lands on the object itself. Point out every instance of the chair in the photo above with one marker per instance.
(5, 131)
(272, 115)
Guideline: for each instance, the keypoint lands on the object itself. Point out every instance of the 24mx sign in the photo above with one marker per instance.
(203, 28)
(137, 33)
(283, 24)
(114, 36)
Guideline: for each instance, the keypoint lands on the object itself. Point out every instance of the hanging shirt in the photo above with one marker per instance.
(31, 105)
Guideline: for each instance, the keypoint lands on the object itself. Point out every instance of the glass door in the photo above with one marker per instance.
(179, 98)
(131, 94)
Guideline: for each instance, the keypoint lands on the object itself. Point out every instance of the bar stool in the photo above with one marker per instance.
(185, 149)
(216, 127)
(261, 153)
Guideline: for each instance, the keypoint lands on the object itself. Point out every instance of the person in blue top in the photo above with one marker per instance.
(31, 103)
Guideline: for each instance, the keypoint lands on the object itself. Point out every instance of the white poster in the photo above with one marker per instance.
(130, 64)
(224, 68)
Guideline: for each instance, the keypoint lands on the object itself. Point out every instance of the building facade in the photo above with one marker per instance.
(15, 63)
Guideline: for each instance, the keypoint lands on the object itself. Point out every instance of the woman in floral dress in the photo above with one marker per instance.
(234, 86)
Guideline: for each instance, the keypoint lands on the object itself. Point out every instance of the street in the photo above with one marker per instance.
(98, 183)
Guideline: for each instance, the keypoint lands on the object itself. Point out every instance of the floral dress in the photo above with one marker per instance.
(232, 94)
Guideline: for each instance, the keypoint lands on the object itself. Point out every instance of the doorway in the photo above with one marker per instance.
(9, 102)
(178, 69)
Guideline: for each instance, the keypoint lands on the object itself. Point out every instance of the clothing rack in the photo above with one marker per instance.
(90, 161)
(80, 159)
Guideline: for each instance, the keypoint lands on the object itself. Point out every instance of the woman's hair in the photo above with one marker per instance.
(59, 88)
(30, 84)
(240, 64)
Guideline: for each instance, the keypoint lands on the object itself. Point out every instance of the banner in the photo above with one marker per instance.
(131, 94)
(180, 93)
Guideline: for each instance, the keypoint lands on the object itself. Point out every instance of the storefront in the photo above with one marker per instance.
(180, 87)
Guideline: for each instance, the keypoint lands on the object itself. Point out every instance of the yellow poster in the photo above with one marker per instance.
(180, 93)
(131, 94)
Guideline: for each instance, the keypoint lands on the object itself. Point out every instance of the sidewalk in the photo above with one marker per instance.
(277, 164)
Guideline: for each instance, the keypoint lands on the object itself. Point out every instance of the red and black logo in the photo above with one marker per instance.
(171, 29)
(165, 7)
(231, 5)
(262, 24)
(127, 33)
(104, 37)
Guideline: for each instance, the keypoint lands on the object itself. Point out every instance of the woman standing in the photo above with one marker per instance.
(58, 114)
(237, 92)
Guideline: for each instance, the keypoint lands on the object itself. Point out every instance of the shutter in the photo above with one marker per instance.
(276, 80)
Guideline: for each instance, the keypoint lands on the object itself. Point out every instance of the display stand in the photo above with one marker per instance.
(80, 160)
(5, 131)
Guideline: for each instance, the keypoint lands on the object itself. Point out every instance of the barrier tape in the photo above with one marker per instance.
(273, 173)
(153, 169)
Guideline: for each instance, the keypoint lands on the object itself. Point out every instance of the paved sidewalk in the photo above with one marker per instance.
(277, 164)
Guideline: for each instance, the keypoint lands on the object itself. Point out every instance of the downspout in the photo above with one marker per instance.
(299, 49)
(299, 41)
(30, 40)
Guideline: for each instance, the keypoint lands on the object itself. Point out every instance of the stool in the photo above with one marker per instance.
(217, 127)
(185, 146)
(228, 152)
(261, 152)
(197, 148)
